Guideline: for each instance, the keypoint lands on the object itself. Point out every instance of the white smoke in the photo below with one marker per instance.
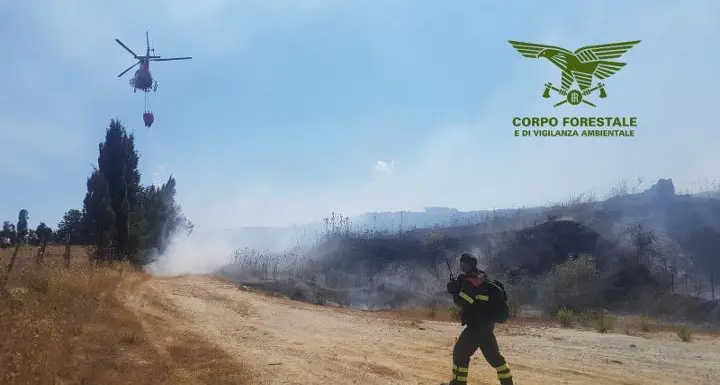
(195, 253)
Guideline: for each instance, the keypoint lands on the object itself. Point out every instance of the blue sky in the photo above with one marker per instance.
(292, 109)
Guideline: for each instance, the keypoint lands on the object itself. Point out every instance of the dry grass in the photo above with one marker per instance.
(565, 317)
(684, 333)
(605, 323)
(441, 313)
(298, 343)
(69, 326)
(645, 324)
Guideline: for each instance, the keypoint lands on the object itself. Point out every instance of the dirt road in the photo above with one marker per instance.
(286, 342)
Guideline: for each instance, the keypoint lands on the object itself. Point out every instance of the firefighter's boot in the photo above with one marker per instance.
(504, 375)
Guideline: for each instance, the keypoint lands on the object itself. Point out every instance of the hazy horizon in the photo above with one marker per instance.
(290, 111)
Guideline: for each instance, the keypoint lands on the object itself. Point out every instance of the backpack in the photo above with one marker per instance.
(499, 309)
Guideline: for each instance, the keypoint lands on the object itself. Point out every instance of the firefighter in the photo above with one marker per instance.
(471, 293)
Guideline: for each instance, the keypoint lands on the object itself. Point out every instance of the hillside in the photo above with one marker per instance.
(650, 252)
(658, 208)
(276, 238)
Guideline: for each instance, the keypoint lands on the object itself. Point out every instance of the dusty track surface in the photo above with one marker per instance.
(286, 342)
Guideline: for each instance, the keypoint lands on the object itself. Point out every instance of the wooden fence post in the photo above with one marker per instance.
(40, 256)
(66, 255)
(12, 260)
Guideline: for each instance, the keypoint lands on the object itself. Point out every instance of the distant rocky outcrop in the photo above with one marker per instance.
(663, 189)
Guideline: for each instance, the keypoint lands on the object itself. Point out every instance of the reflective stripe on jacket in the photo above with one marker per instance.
(473, 299)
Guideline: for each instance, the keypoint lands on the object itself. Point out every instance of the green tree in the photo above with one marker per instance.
(99, 218)
(119, 215)
(158, 217)
(172, 220)
(43, 233)
(118, 164)
(642, 240)
(8, 231)
(22, 225)
(71, 223)
(32, 238)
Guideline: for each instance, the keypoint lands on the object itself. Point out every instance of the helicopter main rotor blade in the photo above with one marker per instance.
(173, 58)
(129, 68)
(128, 49)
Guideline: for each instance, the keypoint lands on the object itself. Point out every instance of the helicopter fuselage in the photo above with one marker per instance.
(143, 79)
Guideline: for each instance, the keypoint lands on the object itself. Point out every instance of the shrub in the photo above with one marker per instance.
(565, 316)
(605, 323)
(454, 313)
(522, 291)
(319, 295)
(684, 333)
(645, 324)
(586, 317)
(571, 284)
(514, 308)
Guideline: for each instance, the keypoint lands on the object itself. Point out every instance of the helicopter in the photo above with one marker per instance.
(143, 80)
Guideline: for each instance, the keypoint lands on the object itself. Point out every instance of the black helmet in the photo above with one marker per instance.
(469, 259)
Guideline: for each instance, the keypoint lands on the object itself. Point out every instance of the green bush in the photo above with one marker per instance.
(684, 333)
(586, 318)
(605, 323)
(454, 313)
(565, 317)
(645, 324)
(514, 308)
(572, 284)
